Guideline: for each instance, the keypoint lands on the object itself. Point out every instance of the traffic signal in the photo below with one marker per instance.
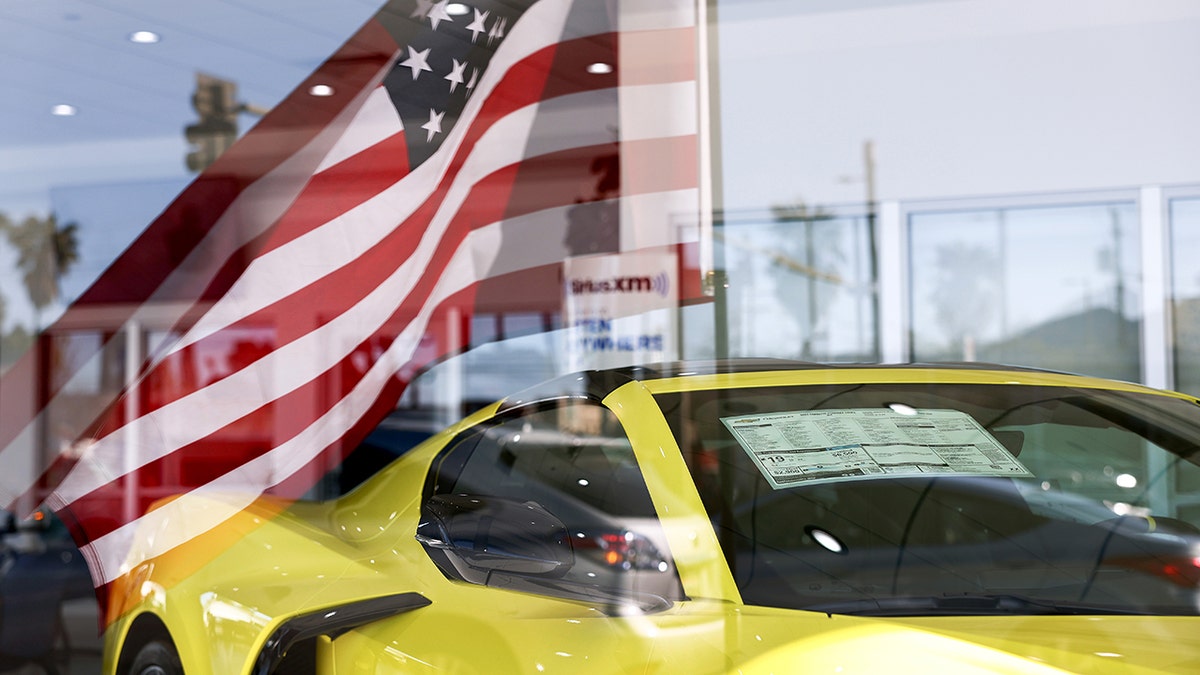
(215, 101)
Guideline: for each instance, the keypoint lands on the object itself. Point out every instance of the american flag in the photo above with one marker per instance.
(460, 156)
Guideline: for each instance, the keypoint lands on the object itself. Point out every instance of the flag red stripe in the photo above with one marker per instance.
(342, 187)
(666, 157)
(570, 70)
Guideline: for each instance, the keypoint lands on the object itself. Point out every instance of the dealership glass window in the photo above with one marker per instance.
(84, 385)
(801, 284)
(1184, 217)
(955, 98)
(1053, 286)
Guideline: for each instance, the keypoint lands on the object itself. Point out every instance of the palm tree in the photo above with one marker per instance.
(45, 252)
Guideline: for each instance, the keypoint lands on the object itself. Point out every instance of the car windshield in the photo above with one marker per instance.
(907, 499)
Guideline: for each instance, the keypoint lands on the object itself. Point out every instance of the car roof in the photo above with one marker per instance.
(597, 384)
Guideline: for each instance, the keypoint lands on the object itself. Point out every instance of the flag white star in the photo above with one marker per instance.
(479, 25)
(416, 61)
(422, 10)
(434, 125)
(439, 14)
(473, 80)
(456, 74)
(497, 30)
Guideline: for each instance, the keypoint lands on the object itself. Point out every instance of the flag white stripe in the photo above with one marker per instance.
(178, 521)
(375, 122)
(675, 103)
(543, 233)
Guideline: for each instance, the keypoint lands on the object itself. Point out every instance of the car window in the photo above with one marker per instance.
(575, 461)
(1089, 503)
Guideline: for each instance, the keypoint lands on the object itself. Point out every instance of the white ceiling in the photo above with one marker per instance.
(78, 52)
(120, 159)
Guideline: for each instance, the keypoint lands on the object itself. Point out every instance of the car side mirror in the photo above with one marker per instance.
(470, 537)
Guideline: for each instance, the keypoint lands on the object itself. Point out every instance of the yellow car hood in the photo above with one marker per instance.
(991, 644)
(719, 638)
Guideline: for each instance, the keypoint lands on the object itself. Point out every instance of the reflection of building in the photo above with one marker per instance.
(84, 367)
(1067, 282)
(1084, 282)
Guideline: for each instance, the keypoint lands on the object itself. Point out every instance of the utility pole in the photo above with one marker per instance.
(872, 240)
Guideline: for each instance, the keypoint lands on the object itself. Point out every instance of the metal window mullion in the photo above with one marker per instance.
(892, 282)
(1156, 338)
(1157, 370)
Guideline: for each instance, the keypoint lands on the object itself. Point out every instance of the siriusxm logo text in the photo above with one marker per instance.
(659, 284)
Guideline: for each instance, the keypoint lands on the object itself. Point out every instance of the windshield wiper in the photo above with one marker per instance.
(963, 605)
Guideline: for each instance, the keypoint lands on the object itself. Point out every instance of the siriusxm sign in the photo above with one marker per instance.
(620, 308)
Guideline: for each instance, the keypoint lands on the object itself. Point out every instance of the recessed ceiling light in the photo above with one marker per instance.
(144, 37)
(457, 9)
(321, 90)
(600, 68)
(63, 110)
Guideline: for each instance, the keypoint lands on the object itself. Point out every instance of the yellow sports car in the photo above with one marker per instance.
(729, 517)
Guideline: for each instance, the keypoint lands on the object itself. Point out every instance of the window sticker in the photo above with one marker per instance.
(809, 446)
